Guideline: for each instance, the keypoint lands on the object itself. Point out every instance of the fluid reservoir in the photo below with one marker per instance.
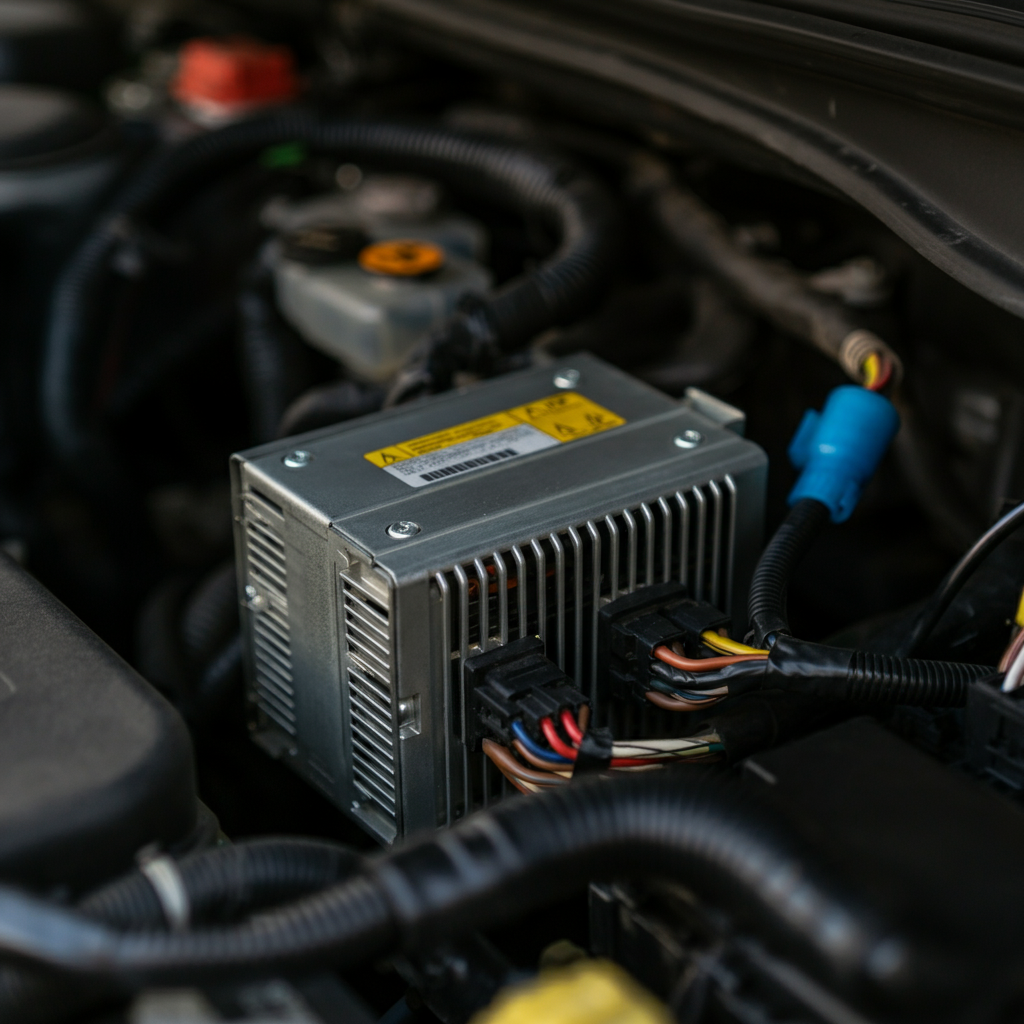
(364, 274)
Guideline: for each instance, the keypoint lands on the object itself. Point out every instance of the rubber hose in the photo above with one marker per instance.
(533, 184)
(328, 404)
(498, 864)
(210, 615)
(264, 363)
(215, 684)
(766, 606)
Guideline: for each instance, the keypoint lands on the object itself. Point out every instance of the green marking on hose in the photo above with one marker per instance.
(288, 154)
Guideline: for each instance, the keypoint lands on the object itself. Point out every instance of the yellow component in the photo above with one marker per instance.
(872, 368)
(404, 257)
(1019, 617)
(565, 417)
(588, 992)
(727, 646)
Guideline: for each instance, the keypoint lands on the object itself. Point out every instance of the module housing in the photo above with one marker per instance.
(361, 587)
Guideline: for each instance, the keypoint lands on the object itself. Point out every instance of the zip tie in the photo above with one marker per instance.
(163, 875)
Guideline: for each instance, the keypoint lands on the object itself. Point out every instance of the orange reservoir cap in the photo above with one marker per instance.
(403, 257)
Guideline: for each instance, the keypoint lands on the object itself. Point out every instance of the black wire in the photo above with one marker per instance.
(936, 607)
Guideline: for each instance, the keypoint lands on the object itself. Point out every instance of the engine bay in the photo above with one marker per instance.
(510, 513)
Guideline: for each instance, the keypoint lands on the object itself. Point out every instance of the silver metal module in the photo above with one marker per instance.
(534, 509)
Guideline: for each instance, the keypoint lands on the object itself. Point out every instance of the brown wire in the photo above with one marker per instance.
(670, 703)
(583, 718)
(515, 782)
(539, 762)
(667, 655)
(504, 759)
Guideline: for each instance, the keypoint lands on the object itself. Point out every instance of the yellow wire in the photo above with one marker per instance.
(727, 646)
(1019, 617)
(872, 368)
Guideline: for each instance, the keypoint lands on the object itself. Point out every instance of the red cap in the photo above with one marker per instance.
(236, 72)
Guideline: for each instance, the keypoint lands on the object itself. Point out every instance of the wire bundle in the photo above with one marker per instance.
(553, 765)
(877, 370)
(1012, 661)
(675, 694)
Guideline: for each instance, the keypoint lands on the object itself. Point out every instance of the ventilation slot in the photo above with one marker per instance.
(368, 664)
(554, 586)
(267, 598)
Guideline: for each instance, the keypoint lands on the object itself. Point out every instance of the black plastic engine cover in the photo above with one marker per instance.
(94, 763)
(935, 854)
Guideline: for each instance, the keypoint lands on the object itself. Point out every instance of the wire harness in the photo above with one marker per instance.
(499, 864)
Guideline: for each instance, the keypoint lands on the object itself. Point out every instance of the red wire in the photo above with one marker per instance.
(570, 726)
(557, 744)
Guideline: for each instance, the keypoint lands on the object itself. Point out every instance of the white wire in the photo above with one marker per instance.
(1015, 673)
(661, 745)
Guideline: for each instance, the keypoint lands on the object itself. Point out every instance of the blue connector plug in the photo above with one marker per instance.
(840, 448)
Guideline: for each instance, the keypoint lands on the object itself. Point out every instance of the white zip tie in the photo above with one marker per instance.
(163, 875)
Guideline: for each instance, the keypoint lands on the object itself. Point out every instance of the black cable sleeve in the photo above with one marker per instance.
(535, 184)
(743, 676)
(956, 578)
(228, 881)
(497, 865)
(865, 678)
(222, 884)
(834, 673)
(766, 606)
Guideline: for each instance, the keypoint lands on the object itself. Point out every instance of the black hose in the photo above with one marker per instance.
(766, 605)
(210, 615)
(222, 884)
(217, 682)
(265, 369)
(534, 184)
(328, 404)
(834, 673)
(937, 605)
(495, 866)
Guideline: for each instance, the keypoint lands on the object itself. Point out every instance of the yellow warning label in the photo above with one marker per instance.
(565, 417)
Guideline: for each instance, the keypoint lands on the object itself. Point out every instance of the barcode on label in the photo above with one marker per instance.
(461, 467)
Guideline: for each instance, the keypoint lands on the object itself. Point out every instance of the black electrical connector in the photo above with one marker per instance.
(631, 627)
(995, 733)
(510, 683)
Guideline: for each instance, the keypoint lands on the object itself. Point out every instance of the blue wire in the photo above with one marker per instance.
(538, 751)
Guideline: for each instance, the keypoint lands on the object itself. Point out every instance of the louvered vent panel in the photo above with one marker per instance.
(368, 658)
(267, 593)
(555, 585)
